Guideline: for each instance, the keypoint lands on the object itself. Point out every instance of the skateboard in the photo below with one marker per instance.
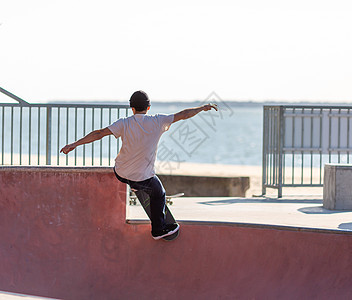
(143, 198)
(169, 201)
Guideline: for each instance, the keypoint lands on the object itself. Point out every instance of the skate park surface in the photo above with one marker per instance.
(65, 235)
(302, 212)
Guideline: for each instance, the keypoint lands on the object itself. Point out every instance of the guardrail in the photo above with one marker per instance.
(299, 140)
(33, 134)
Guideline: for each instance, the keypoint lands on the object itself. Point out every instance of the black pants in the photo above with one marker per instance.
(156, 192)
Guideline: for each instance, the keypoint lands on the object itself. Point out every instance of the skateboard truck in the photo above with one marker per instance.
(169, 201)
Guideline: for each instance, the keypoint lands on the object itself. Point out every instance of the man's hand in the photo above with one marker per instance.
(68, 148)
(209, 106)
(191, 112)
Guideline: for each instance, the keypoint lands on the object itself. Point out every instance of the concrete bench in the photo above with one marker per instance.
(337, 187)
(205, 186)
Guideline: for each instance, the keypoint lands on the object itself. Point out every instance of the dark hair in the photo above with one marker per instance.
(139, 101)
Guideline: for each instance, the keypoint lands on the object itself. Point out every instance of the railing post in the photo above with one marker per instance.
(48, 135)
(280, 146)
(3, 135)
(264, 161)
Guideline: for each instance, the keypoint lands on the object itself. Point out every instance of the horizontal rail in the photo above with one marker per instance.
(78, 105)
(302, 185)
(339, 115)
(291, 115)
(327, 106)
(340, 149)
(302, 149)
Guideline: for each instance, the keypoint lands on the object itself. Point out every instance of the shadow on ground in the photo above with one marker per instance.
(261, 200)
(346, 226)
(320, 210)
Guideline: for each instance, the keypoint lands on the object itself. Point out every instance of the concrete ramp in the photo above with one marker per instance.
(64, 235)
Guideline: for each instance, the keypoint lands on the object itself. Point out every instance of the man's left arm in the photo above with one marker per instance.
(191, 112)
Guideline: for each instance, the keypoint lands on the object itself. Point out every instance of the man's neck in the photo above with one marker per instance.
(143, 112)
(140, 112)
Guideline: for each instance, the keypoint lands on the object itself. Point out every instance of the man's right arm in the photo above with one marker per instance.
(191, 112)
(89, 138)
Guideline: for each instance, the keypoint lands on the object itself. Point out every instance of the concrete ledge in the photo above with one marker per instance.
(56, 169)
(205, 186)
(337, 187)
(192, 186)
(249, 225)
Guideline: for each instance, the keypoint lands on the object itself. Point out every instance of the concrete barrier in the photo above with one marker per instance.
(337, 189)
(205, 186)
(64, 235)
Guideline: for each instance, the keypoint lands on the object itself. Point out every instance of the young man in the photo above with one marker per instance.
(134, 165)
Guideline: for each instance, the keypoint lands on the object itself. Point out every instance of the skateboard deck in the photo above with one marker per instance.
(144, 199)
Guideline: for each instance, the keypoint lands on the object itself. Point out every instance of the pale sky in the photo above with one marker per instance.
(177, 50)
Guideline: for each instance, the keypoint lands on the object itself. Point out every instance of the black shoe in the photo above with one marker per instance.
(169, 229)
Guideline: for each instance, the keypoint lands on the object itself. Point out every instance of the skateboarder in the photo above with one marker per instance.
(134, 164)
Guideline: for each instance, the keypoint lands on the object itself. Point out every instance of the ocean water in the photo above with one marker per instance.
(233, 135)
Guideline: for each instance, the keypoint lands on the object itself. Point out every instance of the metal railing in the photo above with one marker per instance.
(299, 140)
(33, 134)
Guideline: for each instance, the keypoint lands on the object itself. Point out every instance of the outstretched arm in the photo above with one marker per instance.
(89, 138)
(191, 112)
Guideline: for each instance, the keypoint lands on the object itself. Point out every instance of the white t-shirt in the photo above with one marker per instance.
(140, 135)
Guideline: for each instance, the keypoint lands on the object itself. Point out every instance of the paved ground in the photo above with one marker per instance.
(294, 211)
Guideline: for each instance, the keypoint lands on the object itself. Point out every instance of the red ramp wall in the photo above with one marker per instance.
(64, 235)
